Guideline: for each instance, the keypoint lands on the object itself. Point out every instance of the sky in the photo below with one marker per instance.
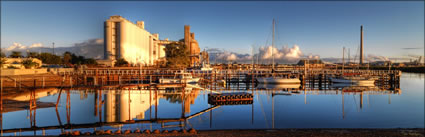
(319, 28)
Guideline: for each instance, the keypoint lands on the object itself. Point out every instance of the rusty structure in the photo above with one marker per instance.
(192, 45)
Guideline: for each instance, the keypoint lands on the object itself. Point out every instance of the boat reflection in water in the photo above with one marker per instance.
(279, 86)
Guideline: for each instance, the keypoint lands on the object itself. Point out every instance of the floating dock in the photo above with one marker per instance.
(230, 98)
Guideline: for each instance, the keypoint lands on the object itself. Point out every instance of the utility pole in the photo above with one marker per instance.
(53, 48)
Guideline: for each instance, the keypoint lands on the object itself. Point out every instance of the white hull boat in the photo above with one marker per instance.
(275, 80)
(356, 80)
(180, 78)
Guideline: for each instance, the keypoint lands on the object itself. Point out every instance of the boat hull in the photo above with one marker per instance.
(169, 81)
(356, 81)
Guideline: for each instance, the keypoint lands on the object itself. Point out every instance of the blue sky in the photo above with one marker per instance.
(318, 28)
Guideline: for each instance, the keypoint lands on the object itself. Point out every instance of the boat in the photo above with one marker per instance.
(181, 77)
(273, 79)
(354, 79)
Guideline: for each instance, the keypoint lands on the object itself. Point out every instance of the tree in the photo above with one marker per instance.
(2, 61)
(49, 58)
(16, 54)
(121, 62)
(2, 55)
(177, 55)
(90, 61)
(67, 57)
(28, 63)
(32, 55)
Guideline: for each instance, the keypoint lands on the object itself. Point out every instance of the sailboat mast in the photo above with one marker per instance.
(273, 48)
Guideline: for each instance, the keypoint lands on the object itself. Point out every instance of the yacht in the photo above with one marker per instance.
(182, 77)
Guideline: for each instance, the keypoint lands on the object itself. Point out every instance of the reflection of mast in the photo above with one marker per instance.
(343, 115)
(272, 111)
(361, 100)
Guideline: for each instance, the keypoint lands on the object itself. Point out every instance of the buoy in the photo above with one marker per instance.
(117, 132)
(66, 133)
(127, 131)
(147, 131)
(99, 132)
(174, 131)
(137, 131)
(87, 133)
(108, 132)
(183, 131)
(76, 133)
(156, 131)
(192, 131)
(165, 131)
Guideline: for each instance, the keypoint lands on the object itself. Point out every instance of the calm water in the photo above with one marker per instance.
(172, 110)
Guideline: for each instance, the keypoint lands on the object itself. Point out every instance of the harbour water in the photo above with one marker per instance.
(89, 110)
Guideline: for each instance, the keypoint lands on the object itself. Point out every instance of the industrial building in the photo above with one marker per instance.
(124, 39)
(129, 41)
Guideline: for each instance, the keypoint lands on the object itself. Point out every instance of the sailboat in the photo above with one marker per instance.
(353, 78)
(273, 79)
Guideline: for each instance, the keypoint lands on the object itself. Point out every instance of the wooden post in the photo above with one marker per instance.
(43, 82)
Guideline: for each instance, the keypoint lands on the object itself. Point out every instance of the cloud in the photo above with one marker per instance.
(284, 55)
(412, 48)
(19, 46)
(372, 58)
(92, 48)
(264, 55)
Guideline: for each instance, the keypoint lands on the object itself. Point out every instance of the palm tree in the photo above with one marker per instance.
(28, 63)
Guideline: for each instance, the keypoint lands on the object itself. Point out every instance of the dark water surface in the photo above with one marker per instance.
(169, 110)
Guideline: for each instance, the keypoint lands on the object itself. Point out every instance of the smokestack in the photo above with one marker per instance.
(361, 44)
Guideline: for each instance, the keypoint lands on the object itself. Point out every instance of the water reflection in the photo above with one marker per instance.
(274, 106)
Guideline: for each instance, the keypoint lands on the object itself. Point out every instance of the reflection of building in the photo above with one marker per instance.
(126, 105)
(25, 96)
(190, 99)
(121, 106)
(124, 39)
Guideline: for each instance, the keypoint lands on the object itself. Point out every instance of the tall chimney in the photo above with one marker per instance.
(361, 44)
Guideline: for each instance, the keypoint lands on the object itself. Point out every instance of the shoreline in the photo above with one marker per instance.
(364, 132)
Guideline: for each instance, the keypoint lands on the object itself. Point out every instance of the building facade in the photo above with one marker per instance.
(124, 39)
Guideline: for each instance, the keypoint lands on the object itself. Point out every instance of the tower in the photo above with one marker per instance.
(361, 44)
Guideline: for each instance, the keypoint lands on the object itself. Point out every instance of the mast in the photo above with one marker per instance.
(273, 48)
(343, 61)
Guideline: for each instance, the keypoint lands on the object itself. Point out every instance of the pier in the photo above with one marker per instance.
(134, 77)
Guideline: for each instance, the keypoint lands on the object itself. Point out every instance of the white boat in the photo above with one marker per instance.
(277, 80)
(351, 79)
(182, 77)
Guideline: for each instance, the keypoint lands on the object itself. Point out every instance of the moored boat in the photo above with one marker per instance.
(182, 77)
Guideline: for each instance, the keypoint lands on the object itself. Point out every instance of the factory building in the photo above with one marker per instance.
(124, 39)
